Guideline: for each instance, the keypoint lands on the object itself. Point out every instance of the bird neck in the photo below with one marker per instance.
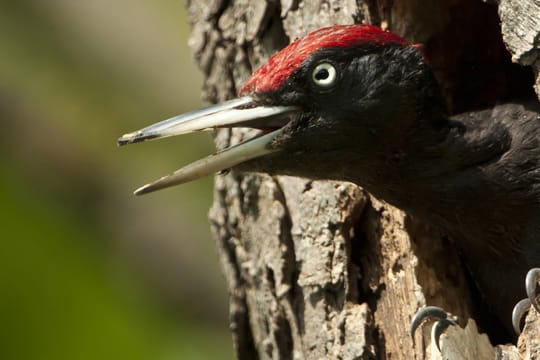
(433, 175)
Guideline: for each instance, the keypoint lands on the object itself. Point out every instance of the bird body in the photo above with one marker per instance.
(486, 197)
(359, 104)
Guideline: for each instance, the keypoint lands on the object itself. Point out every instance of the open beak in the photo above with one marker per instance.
(241, 112)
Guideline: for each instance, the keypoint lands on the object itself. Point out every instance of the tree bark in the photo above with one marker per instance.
(321, 269)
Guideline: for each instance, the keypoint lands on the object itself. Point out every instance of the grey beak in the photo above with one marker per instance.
(241, 112)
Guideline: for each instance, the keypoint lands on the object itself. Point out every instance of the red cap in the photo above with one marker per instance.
(278, 68)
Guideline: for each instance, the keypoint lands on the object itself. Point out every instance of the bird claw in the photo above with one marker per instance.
(518, 313)
(442, 321)
(531, 284)
(522, 307)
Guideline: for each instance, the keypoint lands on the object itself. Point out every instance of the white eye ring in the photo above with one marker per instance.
(324, 75)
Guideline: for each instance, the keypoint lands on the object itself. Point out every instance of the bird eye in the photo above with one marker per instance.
(324, 75)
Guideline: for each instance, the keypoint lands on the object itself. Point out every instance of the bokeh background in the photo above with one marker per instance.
(87, 270)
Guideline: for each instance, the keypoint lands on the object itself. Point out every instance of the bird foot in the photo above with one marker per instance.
(522, 307)
(442, 321)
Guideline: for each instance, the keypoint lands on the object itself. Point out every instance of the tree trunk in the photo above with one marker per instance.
(321, 269)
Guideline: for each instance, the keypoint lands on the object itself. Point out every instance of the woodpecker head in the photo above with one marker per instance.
(329, 104)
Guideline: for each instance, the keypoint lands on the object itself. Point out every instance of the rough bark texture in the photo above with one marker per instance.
(321, 269)
(521, 32)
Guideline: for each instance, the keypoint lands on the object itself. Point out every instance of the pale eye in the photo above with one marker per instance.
(324, 75)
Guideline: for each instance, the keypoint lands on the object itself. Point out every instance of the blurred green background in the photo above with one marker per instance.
(87, 270)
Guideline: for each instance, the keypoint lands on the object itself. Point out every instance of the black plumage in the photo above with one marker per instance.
(370, 111)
